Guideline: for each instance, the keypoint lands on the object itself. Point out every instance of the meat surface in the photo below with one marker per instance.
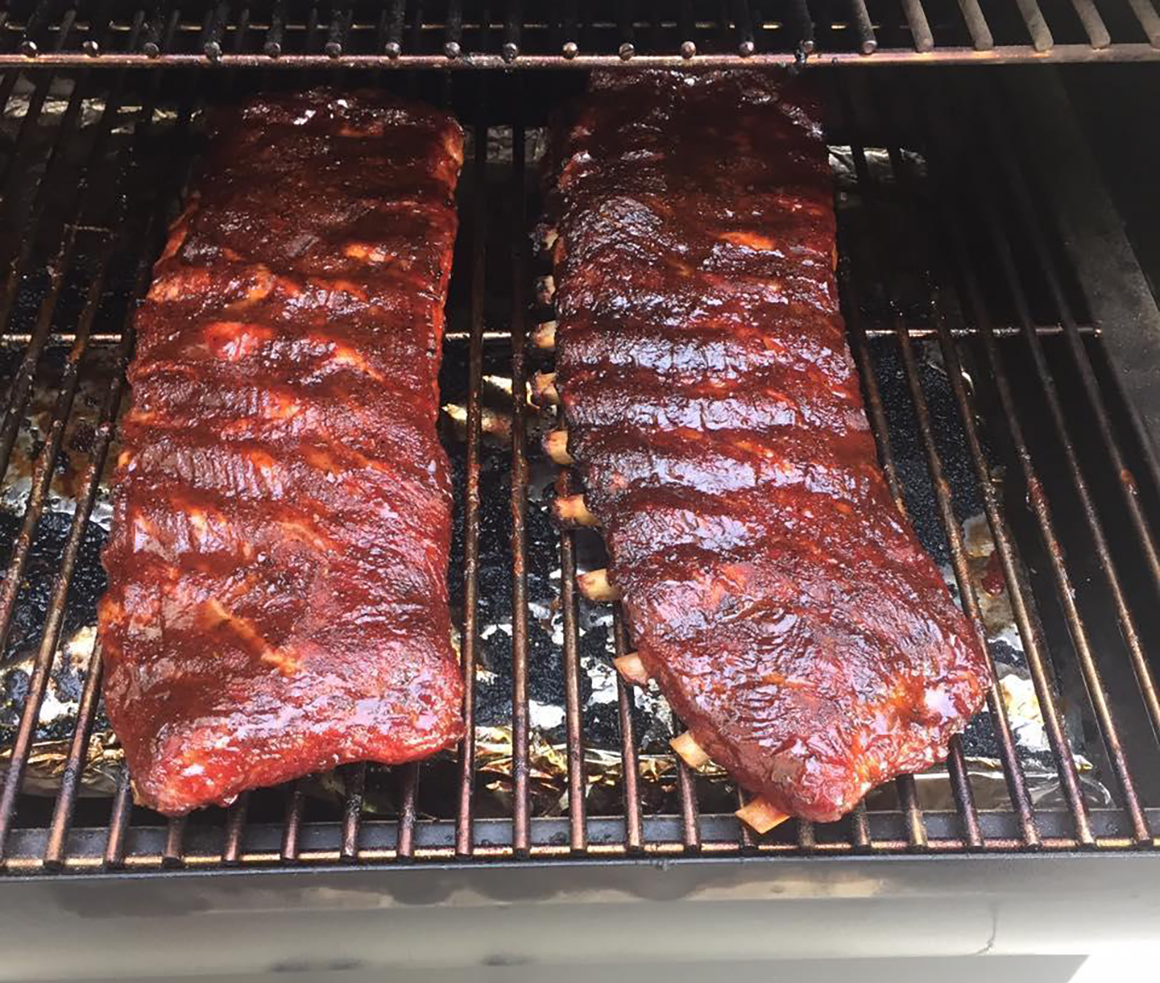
(772, 587)
(277, 600)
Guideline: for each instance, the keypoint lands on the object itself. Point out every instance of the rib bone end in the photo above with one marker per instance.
(631, 669)
(690, 752)
(544, 337)
(544, 391)
(556, 445)
(761, 816)
(571, 510)
(594, 586)
(545, 290)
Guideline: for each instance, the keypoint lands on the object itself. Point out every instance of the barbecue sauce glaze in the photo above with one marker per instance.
(277, 600)
(772, 586)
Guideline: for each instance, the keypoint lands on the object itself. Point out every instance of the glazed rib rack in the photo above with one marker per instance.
(985, 382)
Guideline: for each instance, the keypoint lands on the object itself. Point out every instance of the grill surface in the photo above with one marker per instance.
(986, 384)
(581, 34)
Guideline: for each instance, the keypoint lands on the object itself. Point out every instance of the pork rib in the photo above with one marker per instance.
(277, 599)
(713, 411)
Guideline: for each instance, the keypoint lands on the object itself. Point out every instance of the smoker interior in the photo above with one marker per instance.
(1000, 421)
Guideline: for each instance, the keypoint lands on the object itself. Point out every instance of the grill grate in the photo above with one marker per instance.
(546, 34)
(986, 386)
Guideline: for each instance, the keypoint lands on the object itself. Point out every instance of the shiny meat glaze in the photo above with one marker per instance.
(277, 598)
(772, 587)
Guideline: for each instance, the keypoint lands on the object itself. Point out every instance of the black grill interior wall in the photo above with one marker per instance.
(986, 379)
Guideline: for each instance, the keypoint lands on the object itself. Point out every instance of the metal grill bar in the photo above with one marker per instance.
(212, 30)
(867, 41)
(655, 26)
(745, 836)
(160, 29)
(416, 25)
(860, 828)
(1013, 771)
(981, 36)
(806, 838)
(1033, 644)
(354, 781)
(114, 851)
(1149, 20)
(1061, 54)
(662, 839)
(235, 827)
(627, 30)
(98, 28)
(1041, 39)
(405, 842)
(1084, 650)
(394, 44)
(859, 349)
(50, 636)
(37, 23)
(452, 47)
(519, 500)
(805, 26)
(577, 782)
(1110, 441)
(173, 853)
(743, 25)
(690, 819)
(292, 827)
(292, 33)
(1103, 552)
(336, 33)
(919, 26)
(27, 127)
(907, 793)
(571, 46)
(70, 780)
(1093, 23)
(1031, 640)
(510, 49)
(18, 263)
(955, 760)
(633, 827)
(273, 43)
(464, 842)
(916, 332)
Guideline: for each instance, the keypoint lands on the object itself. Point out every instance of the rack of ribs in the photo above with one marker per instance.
(773, 588)
(277, 600)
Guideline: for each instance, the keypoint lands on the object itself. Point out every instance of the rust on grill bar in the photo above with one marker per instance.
(633, 827)
(574, 734)
(84, 211)
(521, 835)
(292, 827)
(464, 841)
